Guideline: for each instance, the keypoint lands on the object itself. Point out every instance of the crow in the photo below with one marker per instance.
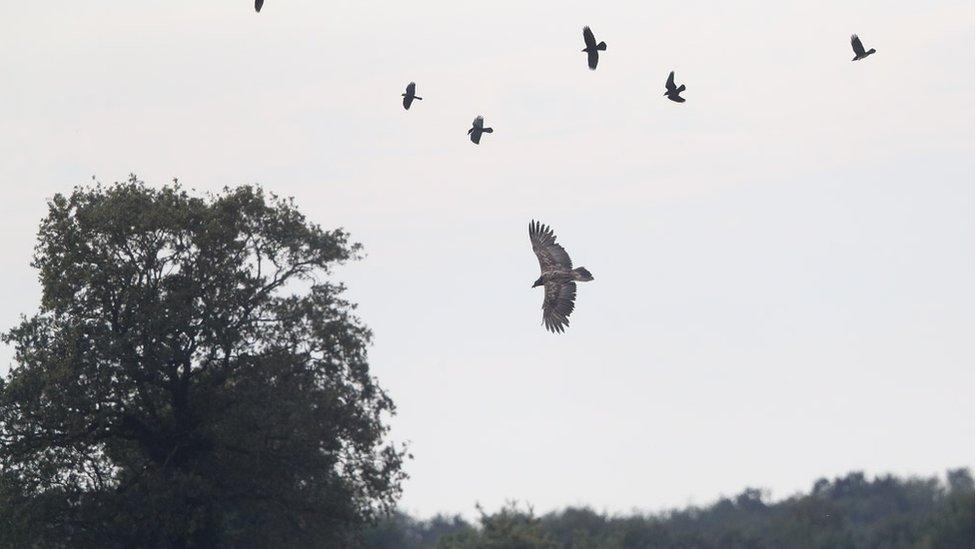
(477, 128)
(409, 96)
(859, 52)
(592, 49)
(673, 91)
(558, 277)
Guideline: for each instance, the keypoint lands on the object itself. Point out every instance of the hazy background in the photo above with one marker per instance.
(784, 264)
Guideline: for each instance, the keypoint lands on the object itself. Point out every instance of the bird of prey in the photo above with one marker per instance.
(859, 52)
(592, 49)
(409, 96)
(558, 277)
(478, 128)
(257, 5)
(673, 91)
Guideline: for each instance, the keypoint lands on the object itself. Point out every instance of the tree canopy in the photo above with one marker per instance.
(193, 378)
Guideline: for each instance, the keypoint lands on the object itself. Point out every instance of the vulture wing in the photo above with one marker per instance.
(588, 38)
(856, 44)
(557, 305)
(551, 256)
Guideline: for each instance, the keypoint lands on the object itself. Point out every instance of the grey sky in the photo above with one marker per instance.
(784, 264)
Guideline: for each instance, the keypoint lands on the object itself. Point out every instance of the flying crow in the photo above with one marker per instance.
(673, 91)
(859, 52)
(409, 96)
(592, 49)
(477, 128)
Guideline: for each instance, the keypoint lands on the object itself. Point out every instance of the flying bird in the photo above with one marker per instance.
(257, 5)
(673, 91)
(859, 52)
(478, 128)
(409, 96)
(558, 277)
(592, 49)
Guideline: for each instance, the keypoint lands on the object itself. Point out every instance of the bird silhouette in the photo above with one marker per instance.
(558, 277)
(859, 52)
(673, 91)
(409, 96)
(477, 128)
(592, 49)
(257, 5)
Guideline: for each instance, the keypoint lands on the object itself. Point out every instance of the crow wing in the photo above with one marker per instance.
(411, 88)
(588, 38)
(670, 83)
(551, 256)
(856, 44)
(479, 122)
(257, 5)
(475, 136)
(407, 101)
(592, 58)
(557, 305)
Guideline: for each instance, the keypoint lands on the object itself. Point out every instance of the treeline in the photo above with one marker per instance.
(848, 512)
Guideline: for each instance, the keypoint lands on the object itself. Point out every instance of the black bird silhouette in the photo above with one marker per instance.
(673, 91)
(592, 49)
(257, 5)
(859, 52)
(477, 128)
(409, 96)
(558, 277)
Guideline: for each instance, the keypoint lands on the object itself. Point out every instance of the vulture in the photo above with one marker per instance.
(673, 91)
(859, 52)
(478, 128)
(558, 277)
(409, 96)
(592, 49)
(257, 5)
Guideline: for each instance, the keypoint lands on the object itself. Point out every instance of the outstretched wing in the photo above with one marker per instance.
(557, 305)
(551, 256)
(411, 88)
(257, 5)
(592, 58)
(670, 83)
(479, 122)
(407, 101)
(588, 38)
(856, 44)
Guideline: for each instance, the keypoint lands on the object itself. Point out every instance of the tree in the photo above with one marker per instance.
(192, 379)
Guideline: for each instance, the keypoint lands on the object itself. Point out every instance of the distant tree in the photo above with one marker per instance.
(509, 528)
(192, 379)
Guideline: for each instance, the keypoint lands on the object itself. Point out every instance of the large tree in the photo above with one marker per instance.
(193, 379)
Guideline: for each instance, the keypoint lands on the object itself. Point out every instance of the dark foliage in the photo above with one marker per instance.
(192, 379)
(848, 512)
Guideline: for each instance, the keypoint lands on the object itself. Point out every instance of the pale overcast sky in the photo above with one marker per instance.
(784, 263)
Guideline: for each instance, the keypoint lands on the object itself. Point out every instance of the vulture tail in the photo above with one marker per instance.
(581, 274)
(602, 46)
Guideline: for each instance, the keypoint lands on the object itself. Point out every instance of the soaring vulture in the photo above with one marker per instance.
(477, 128)
(558, 277)
(592, 49)
(859, 52)
(673, 91)
(410, 96)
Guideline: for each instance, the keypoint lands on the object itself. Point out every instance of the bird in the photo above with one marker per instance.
(409, 96)
(592, 49)
(478, 128)
(558, 277)
(257, 5)
(859, 52)
(673, 91)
